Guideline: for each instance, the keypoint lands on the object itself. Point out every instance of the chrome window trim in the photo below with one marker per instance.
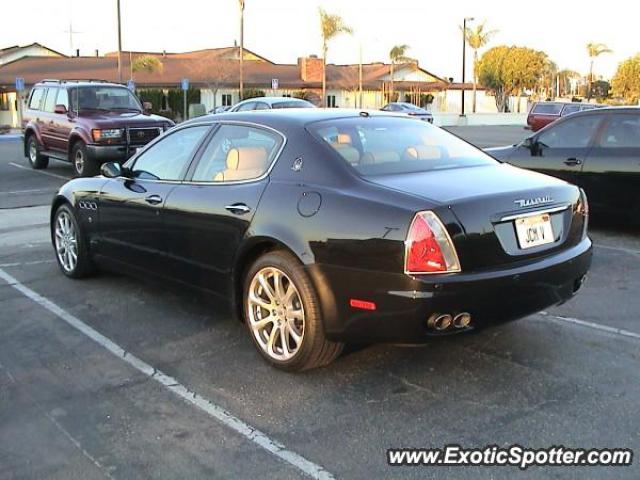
(533, 213)
(212, 123)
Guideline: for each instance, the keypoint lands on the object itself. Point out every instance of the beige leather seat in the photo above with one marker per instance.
(243, 163)
(383, 156)
(423, 152)
(344, 146)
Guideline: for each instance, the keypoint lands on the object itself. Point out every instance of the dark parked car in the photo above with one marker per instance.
(86, 123)
(543, 113)
(268, 103)
(326, 226)
(598, 150)
(408, 109)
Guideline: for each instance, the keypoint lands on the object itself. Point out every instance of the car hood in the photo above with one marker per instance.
(122, 119)
(501, 153)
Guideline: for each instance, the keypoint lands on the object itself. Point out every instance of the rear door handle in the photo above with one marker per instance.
(153, 199)
(238, 208)
(573, 161)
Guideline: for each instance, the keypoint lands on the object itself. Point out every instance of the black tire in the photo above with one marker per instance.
(36, 159)
(83, 164)
(315, 350)
(84, 266)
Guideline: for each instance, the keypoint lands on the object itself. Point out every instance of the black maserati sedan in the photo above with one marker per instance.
(322, 227)
(598, 150)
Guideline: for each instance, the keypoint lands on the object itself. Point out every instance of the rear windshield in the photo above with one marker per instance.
(292, 104)
(392, 145)
(547, 108)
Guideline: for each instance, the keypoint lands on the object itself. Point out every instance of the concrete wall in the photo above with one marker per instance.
(454, 119)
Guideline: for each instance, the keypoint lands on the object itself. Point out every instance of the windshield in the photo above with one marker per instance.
(391, 145)
(103, 98)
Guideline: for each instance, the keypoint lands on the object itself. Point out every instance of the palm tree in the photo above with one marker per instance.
(594, 50)
(331, 26)
(476, 39)
(398, 54)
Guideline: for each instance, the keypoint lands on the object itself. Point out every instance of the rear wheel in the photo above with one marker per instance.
(83, 165)
(71, 250)
(282, 314)
(36, 159)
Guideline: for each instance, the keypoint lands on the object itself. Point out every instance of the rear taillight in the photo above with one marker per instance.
(583, 208)
(428, 248)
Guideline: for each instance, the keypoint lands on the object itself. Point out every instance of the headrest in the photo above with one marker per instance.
(423, 152)
(344, 138)
(246, 158)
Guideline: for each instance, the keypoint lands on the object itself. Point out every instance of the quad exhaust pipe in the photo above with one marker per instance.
(444, 321)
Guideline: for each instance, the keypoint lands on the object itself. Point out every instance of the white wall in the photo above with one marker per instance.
(31, 51)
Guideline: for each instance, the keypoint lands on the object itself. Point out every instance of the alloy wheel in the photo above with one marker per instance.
(33, 151)
(276, 314)
(78, 161)
(66, 242)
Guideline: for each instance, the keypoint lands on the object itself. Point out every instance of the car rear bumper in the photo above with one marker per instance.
(404, 303)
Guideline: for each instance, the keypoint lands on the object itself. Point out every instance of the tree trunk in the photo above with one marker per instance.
(475, 78)
(392, 86)
(590, 80)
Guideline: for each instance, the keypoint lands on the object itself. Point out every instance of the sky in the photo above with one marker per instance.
(283, 30)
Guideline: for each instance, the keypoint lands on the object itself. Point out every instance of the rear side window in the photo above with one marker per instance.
(569, 109)
(547, 108)
(623, 131)
(392, 145)
(50, 101)
(36, 98)
(237, 153)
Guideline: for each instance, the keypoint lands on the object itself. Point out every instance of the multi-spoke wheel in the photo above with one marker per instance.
(283, 315)
(68, 242)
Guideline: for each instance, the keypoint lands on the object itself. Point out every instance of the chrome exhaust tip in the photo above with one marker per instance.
(462, 320)
(439, 321)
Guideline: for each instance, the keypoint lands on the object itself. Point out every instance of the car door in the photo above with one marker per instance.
(130, 207)
(612, 170)
(207, 217)
(47, 119)
(62, 123)
(560, 149)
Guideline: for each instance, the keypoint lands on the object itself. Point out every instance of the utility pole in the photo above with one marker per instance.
(464, 56)
(241, 4)
(360, 78)
(119, 45)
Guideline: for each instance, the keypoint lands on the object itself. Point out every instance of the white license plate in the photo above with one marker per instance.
(534, 231)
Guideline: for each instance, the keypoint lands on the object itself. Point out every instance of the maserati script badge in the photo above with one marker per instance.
(530, 202)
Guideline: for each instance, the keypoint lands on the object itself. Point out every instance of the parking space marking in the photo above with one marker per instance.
(215, 411)
(49, 174)
(25, 264)
(618, 249)
(595, 326)
(21, 192)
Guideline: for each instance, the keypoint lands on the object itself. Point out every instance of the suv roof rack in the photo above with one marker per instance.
(86, 80)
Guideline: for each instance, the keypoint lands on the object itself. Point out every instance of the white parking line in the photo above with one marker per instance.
(23, 264)
(618, 249)
(49, 174)
(20, 192)
(256, 436)
(595, 326)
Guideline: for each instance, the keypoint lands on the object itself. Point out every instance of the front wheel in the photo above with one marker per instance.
(71, 250)
(282, 314)
(83, 165)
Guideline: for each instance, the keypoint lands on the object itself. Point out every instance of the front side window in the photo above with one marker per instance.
(63, 98)
(36, 98)
(569, 109)
(262, 106)
(572, 133)
(393, 145)
(246, 107)
(168, 158)
(623, 131)
(50, 101)
(237, 153)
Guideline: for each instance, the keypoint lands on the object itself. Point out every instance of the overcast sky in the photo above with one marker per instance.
(283, 30)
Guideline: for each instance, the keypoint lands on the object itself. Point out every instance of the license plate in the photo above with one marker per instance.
(534, 231)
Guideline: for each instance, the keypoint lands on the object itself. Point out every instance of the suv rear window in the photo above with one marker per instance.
(36, 98)
(547, 108)
(393, 145)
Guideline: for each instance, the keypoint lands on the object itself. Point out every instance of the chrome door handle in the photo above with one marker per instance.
(153, 199)
(573, 161)
(238, 208)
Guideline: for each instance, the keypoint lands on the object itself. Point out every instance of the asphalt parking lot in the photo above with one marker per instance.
(117, 378)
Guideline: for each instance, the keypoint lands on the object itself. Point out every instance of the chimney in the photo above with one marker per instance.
(77, 52)
(310, 68)
(97, 53)
(164, 53)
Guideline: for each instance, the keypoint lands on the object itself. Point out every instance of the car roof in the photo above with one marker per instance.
(606, 110)
(77, 83)
(272, 100)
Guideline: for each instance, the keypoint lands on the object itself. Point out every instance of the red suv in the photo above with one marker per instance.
(86, 123)
(543, 113)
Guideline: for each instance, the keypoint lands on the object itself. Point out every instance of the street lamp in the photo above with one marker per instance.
(241, 5)
(464, 55)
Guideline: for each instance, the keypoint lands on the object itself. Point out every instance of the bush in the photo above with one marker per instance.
(252, 93)
(153, 95)
(176, 101)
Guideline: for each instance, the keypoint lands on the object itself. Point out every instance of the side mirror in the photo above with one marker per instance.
(61, 109)
(147, 106)
(111, 170)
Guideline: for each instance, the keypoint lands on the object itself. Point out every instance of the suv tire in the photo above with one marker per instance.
(36, 159)
(83, 165)
(286, 314)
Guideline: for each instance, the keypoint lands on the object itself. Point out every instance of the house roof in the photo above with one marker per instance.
(201, 67)
(5, 51)
(220, 52)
